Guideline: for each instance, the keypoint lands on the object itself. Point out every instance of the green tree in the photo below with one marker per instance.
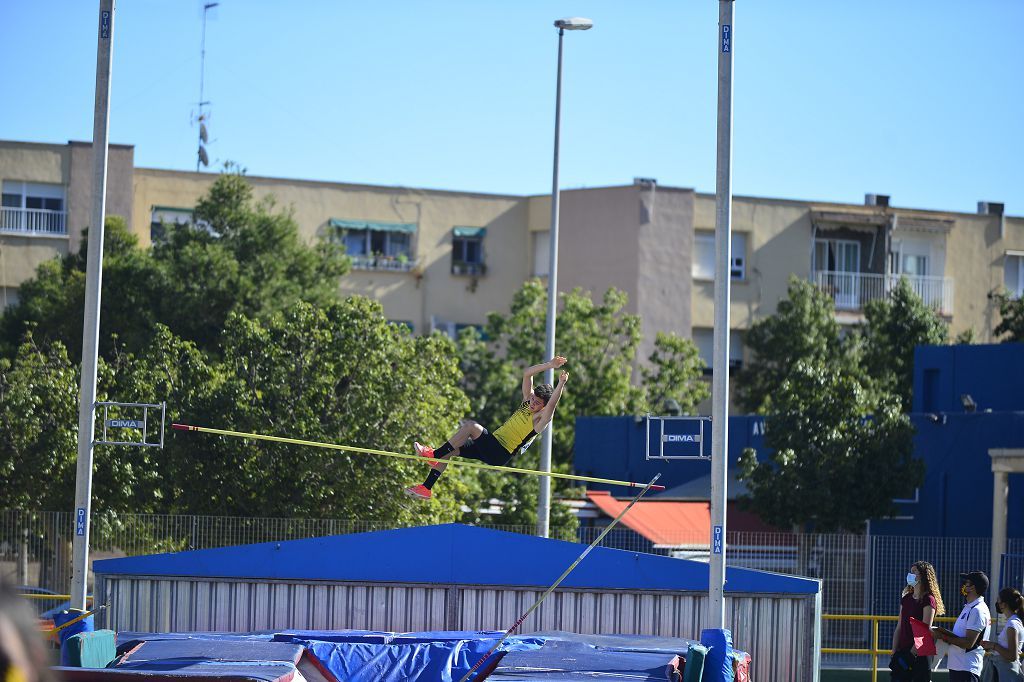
(239, 256)
(803, 328)
(674, 374)
(832, 466)
(337, 374)
(1011, 313)
(894, 327)
(38, 427)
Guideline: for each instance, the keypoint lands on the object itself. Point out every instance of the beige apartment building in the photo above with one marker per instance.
(440, 260)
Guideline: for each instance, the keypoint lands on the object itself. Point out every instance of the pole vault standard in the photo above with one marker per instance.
(581, 557)
(416, 458)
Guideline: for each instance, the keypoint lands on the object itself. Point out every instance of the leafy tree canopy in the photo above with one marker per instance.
(894, 327)
(1011, 313)
(239, 256)
(832, 467)
(803, 328)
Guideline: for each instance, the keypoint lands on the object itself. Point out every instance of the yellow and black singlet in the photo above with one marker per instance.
(517, 433)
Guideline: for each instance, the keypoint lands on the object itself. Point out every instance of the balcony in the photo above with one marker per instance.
(32, 221)
(854, 290)
(390, 263)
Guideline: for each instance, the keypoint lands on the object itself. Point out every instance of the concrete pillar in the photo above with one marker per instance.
(1004, 462)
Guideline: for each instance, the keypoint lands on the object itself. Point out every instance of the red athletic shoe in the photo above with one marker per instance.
(424, 451)
(419, 491)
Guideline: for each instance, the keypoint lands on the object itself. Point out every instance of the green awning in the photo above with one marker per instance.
(479, 232)
(373, 225)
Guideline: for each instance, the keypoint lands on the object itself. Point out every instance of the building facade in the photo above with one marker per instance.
(441, 260)
(47, 201)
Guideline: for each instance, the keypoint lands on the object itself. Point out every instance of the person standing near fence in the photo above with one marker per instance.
(1006, 649)
(920, 599)
(966, 658)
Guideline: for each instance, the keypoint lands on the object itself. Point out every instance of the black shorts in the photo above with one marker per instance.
(486, 449)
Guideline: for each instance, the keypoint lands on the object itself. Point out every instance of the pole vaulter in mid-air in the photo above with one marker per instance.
(512, 438)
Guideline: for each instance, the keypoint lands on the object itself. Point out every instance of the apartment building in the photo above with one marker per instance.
(47, 201)
(444, 259)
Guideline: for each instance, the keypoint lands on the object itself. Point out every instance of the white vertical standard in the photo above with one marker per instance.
(544, 496)
(91, 327)
(720, 354)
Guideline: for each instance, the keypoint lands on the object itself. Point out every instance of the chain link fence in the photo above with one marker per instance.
(861, 574)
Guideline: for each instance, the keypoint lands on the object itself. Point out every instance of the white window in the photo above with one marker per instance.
(373, 245)
(32, 207)
(376, 243)
(1013, 274)
(162, 216)
(704, 339)
(914, 265)
(541, 253)
(836, 255)
(704, 255)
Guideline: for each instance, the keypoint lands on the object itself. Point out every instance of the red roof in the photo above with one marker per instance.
(668, 522)
(673, 522)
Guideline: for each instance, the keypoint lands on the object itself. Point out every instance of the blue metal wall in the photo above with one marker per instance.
(614, 447)
(955, 500)
(993, 375)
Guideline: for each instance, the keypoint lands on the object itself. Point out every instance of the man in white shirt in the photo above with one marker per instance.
(965, 656)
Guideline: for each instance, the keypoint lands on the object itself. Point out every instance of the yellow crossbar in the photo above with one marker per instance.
(415, 458)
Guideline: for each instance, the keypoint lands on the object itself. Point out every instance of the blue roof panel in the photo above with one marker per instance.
(446, 554)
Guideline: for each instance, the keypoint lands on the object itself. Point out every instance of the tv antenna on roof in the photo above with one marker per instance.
(201, 156)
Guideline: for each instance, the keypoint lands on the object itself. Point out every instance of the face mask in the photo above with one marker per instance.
(963, 590)
(911, 579)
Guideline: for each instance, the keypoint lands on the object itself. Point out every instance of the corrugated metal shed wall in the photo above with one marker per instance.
(780, 631)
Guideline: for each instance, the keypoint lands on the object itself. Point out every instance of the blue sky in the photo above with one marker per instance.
(920, 100)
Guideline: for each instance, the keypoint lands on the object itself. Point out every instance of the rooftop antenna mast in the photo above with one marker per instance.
(201, 157)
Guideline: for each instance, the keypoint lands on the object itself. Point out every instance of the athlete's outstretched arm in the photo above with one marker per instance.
(553, 363)
(549, 410)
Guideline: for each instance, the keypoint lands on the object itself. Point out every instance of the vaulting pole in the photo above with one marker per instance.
(416, 458)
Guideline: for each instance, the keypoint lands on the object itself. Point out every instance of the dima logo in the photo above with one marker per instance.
(681, 438)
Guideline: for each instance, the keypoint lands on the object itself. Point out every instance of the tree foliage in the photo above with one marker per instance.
(833, 466)
(894, 327)
(1011, 313)
(803, 328)
(239, 256)
(337, 374)
(835, 409)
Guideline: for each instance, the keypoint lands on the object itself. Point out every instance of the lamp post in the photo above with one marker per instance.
(544, 499)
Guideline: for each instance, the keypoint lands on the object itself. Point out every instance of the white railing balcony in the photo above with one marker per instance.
(854, 290)
(392, 263)
(32, 221)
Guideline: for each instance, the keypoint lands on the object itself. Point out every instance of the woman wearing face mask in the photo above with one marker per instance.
(1006, 650)
(921, 599)
(965, 657)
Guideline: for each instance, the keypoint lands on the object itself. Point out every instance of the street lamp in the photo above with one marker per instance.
(544, 499)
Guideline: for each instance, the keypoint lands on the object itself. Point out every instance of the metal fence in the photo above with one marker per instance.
(861, 574)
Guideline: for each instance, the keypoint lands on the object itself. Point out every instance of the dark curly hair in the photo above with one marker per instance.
(544, 391)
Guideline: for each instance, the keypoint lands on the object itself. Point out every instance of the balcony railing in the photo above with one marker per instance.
(392, 263)
(32, 221)
(854, 290)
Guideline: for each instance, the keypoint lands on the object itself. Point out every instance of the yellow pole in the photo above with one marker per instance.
(417, 458)
(874, 650)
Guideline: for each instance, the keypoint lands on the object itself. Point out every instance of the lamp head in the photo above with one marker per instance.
(574, 24)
